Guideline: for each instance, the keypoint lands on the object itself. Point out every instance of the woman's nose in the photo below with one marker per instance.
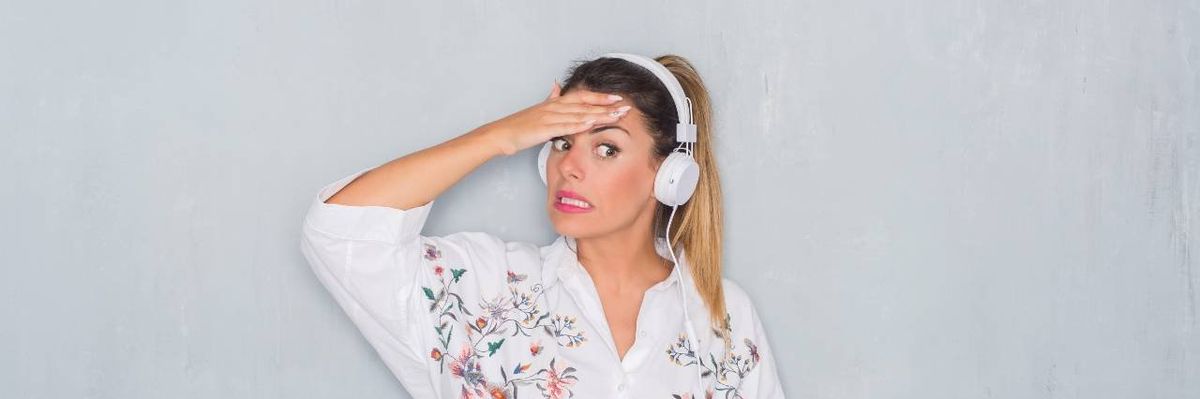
(569, 165)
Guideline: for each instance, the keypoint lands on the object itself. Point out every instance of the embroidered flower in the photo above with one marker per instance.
(708, 394)
(681, 352)
(562, 327)
(496, 309)
(432, 252)
(753, 350)
(459, 366)
(535, 348)
(497, 392)
(558, 382)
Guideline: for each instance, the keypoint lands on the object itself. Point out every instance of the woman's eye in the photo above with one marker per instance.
(555, 143)
(607, 151)
(602, 150)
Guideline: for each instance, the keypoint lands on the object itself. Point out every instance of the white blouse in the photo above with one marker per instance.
(469, 315)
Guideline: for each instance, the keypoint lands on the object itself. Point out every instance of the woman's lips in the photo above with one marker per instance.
(571, 207)
(570, 194)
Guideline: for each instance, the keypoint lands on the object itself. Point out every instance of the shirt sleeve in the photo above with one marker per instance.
(372, 260)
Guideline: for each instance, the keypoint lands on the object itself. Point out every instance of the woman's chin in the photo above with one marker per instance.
(573, 226)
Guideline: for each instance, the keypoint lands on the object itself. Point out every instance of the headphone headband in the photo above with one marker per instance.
(685, 130)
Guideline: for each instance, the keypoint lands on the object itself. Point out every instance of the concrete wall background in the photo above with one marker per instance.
(976, 199)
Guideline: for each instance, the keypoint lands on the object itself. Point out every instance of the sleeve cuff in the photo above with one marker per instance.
(367, 222)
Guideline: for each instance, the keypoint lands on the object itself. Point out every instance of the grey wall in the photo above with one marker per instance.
(925, 199)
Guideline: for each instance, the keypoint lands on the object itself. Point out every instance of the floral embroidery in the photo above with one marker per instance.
(557, 382)
(558, 329)
(707, 395)
(506, 315)
(535, 348)
(731, 363)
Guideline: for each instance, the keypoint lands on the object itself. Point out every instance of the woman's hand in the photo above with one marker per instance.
(558, 115)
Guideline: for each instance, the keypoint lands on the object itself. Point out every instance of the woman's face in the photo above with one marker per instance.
(610, 166)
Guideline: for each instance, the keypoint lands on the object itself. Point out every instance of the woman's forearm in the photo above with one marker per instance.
(420, 177)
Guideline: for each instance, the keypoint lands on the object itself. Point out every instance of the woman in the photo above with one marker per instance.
(608, 309)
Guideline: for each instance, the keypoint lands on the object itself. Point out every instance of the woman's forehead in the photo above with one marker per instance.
(631, 125)
(622, 130)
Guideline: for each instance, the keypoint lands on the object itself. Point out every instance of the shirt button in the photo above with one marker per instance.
(643, 333)
(621, 387)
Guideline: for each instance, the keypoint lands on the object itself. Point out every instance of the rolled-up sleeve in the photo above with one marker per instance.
(366, 223)
(369, 259)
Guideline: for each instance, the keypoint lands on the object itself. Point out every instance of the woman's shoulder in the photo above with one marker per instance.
(737, 300)
(484, 250)
(749, 356)
(745, 319)
(486, 260)
(483, 241)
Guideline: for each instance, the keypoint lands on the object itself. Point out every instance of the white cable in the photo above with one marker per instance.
(687, 319)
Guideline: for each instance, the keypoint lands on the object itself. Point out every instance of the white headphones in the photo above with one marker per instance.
(677, 176)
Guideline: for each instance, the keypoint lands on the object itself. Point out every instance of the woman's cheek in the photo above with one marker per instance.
(631, 186)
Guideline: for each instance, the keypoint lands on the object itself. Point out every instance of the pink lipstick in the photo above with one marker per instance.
(571, 202)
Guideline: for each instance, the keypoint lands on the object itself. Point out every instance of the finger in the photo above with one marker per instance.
(566, 129)
(555, 91)
(575, 108)
(588, 97)
(577, 117)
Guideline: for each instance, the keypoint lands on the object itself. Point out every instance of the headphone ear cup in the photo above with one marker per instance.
(542, 156)
(676, 179)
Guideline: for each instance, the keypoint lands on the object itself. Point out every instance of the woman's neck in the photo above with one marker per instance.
(622, 260)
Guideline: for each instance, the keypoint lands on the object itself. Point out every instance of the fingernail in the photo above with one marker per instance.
(623, 109)
(614, 97)
(589, 121)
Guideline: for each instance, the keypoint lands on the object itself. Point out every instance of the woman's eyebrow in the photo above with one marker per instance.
(599, 129)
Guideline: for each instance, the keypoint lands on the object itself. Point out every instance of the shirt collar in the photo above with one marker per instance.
(562, 263)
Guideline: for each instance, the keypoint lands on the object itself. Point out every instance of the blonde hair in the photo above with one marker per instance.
(699, 229)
